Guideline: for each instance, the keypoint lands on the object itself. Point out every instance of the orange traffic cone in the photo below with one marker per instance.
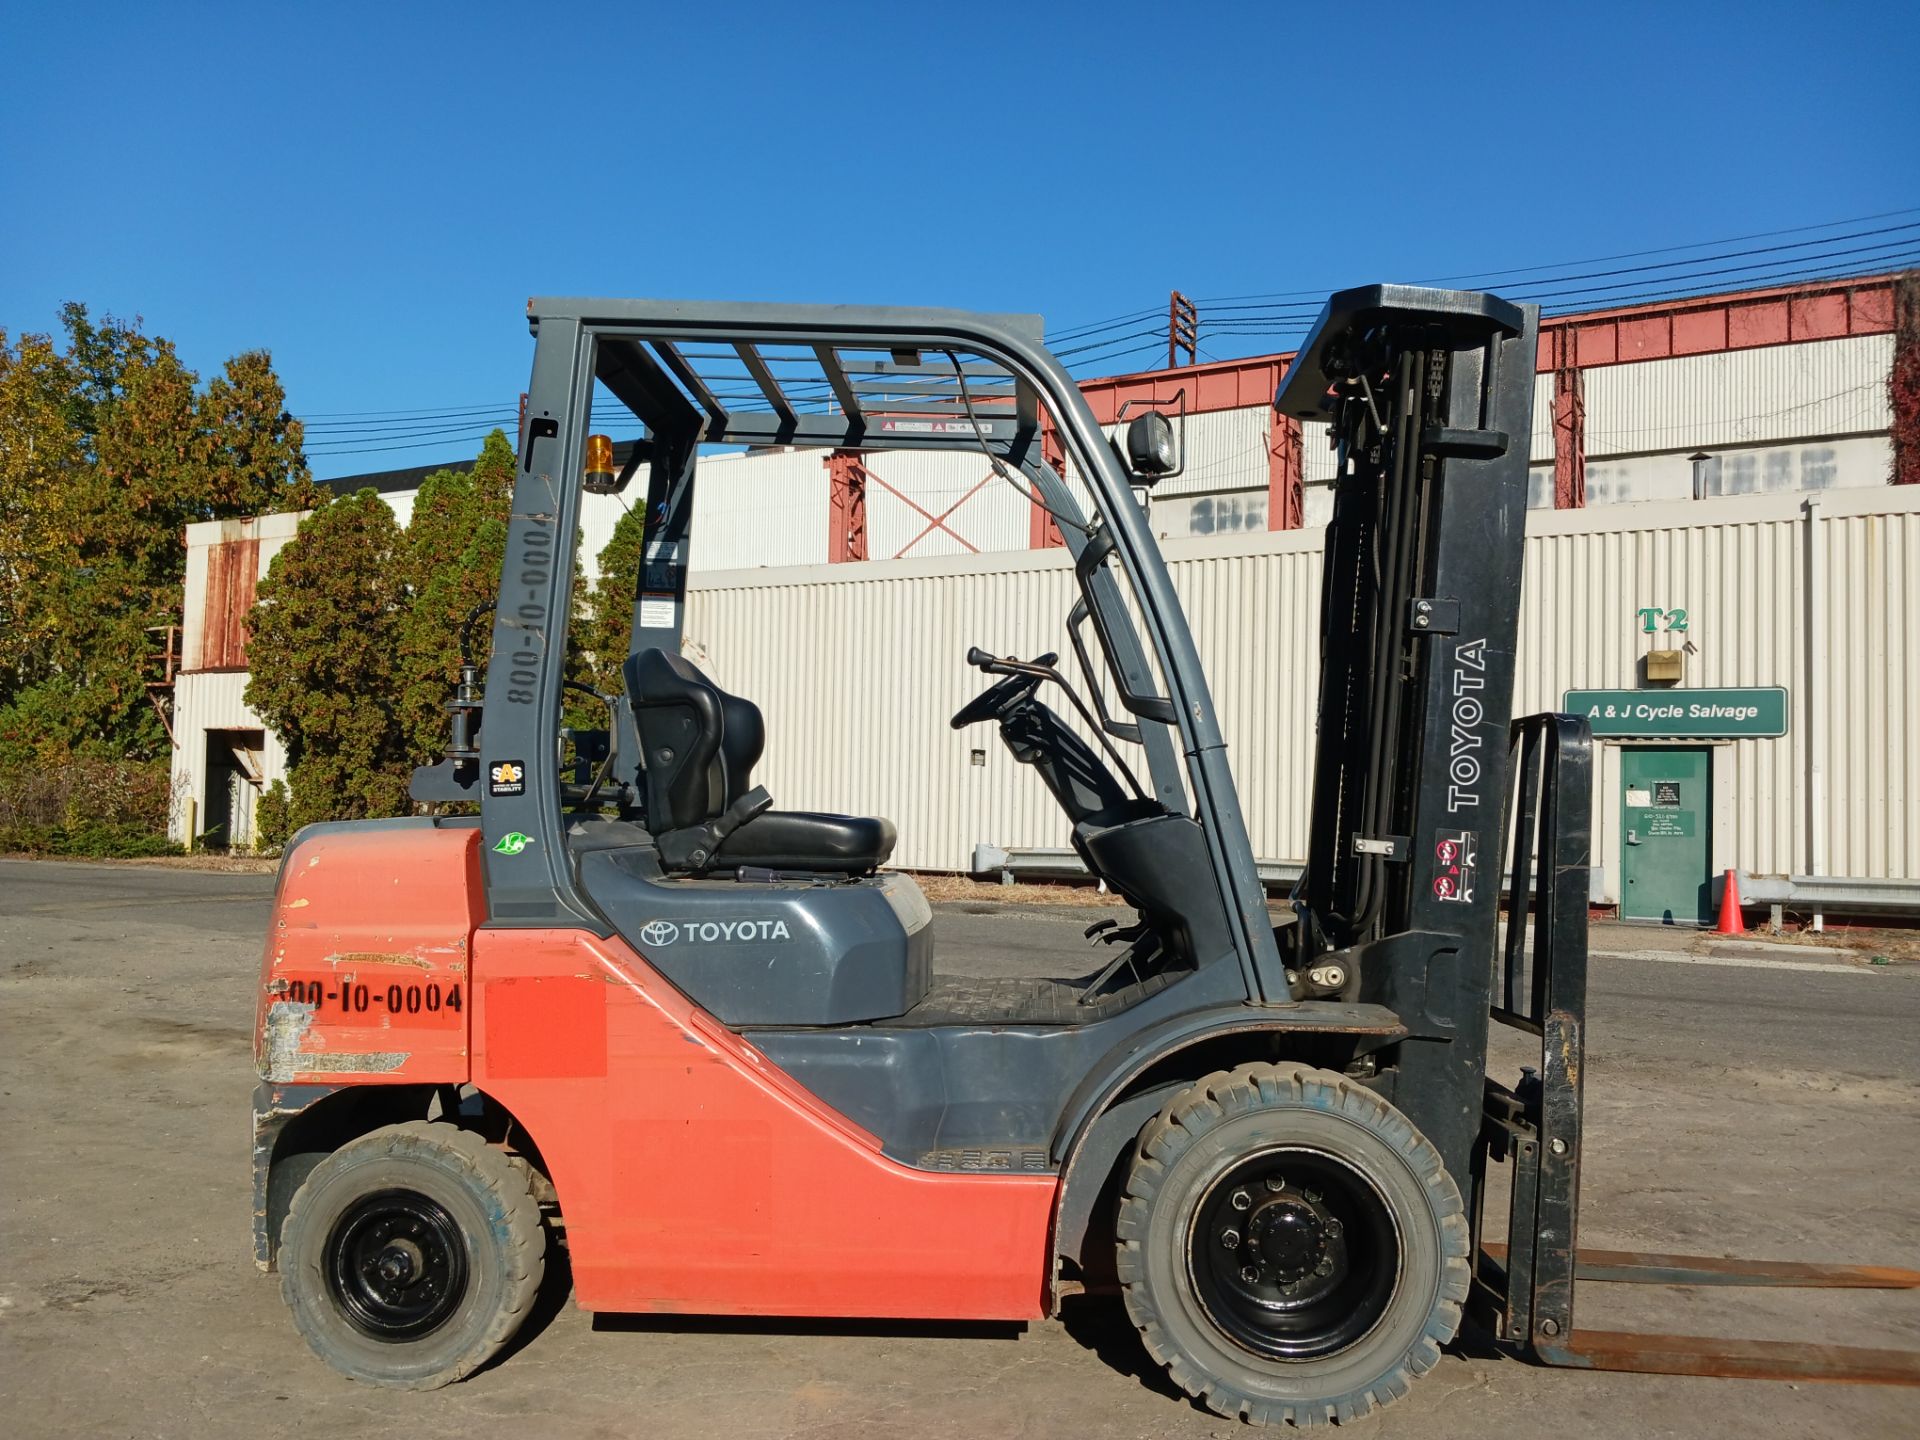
(1730, 909)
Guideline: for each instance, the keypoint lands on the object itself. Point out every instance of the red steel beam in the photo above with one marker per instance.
(847, 509)
(1286, 487)
(1903, 384)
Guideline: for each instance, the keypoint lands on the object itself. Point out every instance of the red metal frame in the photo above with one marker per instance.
(847, 509)
(1286, 484)
(1569, 426)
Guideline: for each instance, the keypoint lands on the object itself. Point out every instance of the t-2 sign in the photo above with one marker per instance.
(1653, 618)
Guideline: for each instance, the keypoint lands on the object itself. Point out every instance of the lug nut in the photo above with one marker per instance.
(1334, 1229)
(1250, 1274)
(1325, 1267)
(1230, 1239)
(1313, 1197)
(1276, 1183)
(1242, 1200)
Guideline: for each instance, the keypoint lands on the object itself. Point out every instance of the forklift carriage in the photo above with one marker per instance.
(707, 1045)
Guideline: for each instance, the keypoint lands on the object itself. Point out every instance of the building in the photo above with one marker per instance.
(1712, 502)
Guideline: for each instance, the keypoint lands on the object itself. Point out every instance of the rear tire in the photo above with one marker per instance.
(1291, 1246)
(411, 1255)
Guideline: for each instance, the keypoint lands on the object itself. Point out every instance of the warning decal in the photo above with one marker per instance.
(1456, 856)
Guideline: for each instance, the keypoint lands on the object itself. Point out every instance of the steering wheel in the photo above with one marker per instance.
(1000, 698)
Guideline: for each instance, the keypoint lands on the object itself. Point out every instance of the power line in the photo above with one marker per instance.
(1867, 259)
(1322, 291)
(345, 433)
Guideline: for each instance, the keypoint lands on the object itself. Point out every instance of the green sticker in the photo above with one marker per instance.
(512, 843)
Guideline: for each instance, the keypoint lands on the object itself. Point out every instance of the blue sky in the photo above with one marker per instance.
(372, 192)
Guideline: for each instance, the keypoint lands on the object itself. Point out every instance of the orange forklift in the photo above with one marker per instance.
(623, 1005)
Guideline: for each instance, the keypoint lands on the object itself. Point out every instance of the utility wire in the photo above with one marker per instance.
(1323, 291)
(1557, 287)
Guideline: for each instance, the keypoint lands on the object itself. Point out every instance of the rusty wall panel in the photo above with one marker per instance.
(232, 579)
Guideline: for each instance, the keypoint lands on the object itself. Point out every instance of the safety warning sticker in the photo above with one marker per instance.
(1456, 856)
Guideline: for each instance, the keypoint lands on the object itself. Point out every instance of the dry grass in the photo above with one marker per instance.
(224, 864)
(1902, 944)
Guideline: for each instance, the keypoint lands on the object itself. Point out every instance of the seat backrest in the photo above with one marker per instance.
(698, 743)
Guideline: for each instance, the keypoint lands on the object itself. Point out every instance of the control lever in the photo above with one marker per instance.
(992, 664)
(1042, 667)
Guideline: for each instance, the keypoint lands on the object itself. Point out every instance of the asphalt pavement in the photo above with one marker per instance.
(1743, 1101)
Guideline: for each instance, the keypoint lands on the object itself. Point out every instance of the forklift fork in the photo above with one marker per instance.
(1524, 1289)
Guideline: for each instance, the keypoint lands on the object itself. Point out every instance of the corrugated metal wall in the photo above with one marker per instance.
(859, 667)
(1736, 397)
(1225, 450)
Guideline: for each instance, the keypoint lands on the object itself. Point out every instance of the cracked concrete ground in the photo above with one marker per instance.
(1751, 1109)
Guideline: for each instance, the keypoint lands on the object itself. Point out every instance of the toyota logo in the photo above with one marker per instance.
(659, 932)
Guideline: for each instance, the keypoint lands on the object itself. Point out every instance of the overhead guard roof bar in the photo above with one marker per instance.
(763, 377)
(677, 363)
(842, 388)
(822, 390)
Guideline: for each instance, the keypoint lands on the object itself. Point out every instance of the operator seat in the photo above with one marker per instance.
(699, 746)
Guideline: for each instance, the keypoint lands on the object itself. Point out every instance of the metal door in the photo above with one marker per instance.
(1666, 817)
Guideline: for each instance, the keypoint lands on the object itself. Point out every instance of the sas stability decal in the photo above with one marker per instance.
(512, 843)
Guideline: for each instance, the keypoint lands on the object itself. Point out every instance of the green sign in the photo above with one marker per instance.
(1683, 714)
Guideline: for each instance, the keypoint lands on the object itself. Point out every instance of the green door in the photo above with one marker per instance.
(1666, 818)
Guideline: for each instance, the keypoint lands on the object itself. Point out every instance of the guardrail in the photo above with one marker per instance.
(1826, 894)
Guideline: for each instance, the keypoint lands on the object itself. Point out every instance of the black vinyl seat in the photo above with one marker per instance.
(700, 745)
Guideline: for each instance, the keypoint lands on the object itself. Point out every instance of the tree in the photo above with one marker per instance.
(325, 657)
(606, 621)
(456, 543)
(108, 450)
(39, 445)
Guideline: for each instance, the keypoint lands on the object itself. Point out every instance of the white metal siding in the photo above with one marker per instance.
(214, 700)
(1224, 450)
(1738, 397)
(859, 668)
(764, 509)
(1543, 417)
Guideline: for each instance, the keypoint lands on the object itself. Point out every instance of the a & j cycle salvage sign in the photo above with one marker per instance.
(1683, 714)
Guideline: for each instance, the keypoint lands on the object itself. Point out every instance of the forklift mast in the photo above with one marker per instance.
(1429, 398)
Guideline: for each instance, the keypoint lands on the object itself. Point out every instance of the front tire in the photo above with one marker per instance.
(411, 1255)
(1290, 1246)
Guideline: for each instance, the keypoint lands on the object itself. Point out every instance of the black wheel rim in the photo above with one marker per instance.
(396, 1265)
(1293, 1254)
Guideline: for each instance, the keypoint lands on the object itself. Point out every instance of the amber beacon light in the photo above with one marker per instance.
(599, 458)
